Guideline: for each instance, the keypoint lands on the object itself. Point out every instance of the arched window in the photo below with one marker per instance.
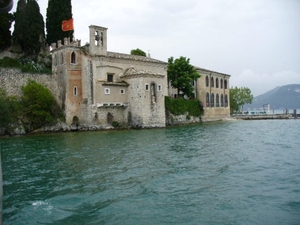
(75, 121)
(207, 81)
(61, 58)
(226, 101)
(222, 100)
(217, 82)
(75, 91)
(212, 100)
(73, 57)
(217, 101)
(207, 99)
(221, 83)
(212, 82)
(225, 84)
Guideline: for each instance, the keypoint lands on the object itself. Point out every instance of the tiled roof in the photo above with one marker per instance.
(132, 57)
(132, 71)
(210, 71)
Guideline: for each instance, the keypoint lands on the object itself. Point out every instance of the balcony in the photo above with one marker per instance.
(111, 104)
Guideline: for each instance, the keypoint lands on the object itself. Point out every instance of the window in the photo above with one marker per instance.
(159, 88)
(110, 77)
(212, 100)
(153, 92)
(62, 58)
(217, 101)
(147, 87)
(225, 84)
(122, 91)
(73, 57)
(97, 38)
(207, 99)
(212, 81)
(217, 82)
(207, 81)
(221, 83)
(107, 91)
(222, 100)
(226, 101)
(75, 91)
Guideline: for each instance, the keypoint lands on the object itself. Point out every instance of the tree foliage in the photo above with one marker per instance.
(9, 108)
(58, 11)
(239, 97)
(29, 27)
(34, 25)
(181, 75)
(39, 106)
(137, 52)
(180, 106)
(5, 35)
(19, 28)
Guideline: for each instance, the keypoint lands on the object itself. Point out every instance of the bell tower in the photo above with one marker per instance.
(98, 40)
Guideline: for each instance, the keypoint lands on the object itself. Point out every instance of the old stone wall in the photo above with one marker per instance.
(12, 80)
(181, 119)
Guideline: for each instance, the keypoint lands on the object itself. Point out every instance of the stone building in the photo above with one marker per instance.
(212, 89)
(101, 87)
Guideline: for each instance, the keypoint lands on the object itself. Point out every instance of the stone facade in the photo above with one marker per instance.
(212, 89)
(99, 87)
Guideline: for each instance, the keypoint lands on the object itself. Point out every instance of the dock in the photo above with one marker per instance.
(266, 116)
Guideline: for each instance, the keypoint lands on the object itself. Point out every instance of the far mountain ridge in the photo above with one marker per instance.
(282, 97)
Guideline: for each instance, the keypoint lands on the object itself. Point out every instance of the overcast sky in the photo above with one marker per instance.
(257, 42)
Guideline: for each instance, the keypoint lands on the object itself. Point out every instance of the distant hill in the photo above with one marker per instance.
(284, 97)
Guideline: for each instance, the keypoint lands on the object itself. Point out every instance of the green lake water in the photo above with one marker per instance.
(239, 172)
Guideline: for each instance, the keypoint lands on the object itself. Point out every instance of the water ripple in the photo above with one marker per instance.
(244, 172)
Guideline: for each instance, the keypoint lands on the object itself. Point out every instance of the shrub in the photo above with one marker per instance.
(9, 108)
(39, 105)
(7, 62)
(115, 124)
(180, 106)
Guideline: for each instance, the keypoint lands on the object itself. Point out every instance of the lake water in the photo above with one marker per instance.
(236, 172)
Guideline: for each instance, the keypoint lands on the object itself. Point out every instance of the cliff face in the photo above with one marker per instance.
(283, 97)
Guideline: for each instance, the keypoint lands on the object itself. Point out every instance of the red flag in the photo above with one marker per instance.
(67, 25)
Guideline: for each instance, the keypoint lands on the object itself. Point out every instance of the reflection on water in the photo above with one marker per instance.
(242, 172)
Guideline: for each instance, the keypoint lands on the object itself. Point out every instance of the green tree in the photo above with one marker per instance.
(39, 106)
(181, 75)
(29, 30)
(58, 11)
(19, 27)
(137, 52)
(9, 108)
(34, 25)
(239, 97)
(5, 34)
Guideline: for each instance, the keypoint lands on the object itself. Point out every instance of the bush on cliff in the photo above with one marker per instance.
(7, 62)
(26, 65)
(39, 106)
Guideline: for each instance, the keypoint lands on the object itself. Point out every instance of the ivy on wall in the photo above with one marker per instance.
(180, 106)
